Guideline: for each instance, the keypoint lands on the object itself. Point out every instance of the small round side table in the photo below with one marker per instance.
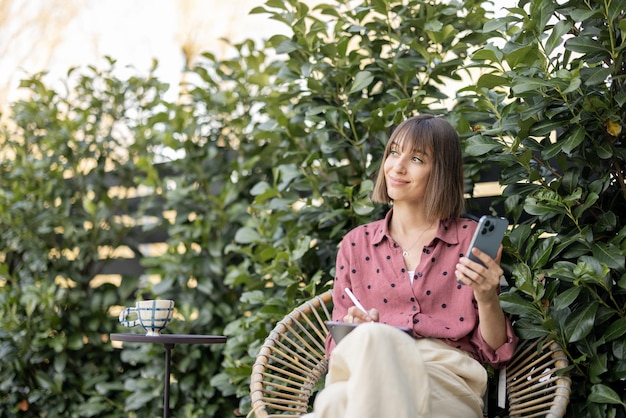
(169, 341)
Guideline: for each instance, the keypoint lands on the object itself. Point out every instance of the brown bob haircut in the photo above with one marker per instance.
(444, 196)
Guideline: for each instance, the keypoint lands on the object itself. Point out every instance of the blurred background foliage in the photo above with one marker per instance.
(234, 197)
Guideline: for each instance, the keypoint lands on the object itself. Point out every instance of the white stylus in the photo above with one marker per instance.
(355, 300)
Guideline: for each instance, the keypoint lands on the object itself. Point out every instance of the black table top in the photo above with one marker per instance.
(170, 338)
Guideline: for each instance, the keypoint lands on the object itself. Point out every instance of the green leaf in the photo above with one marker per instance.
(433, 25)
(574, 85)
(545, 127)
(620, 98)
(580, 323)
(541, 253)
(545, 203)
(604, 150)
(362, 80)
(514, 304)
(525, 84)
(498, 23)
(603, 394)
(479, 145)
(519, 55)
(572, 141)
(327, 10)
(586, 45)
(488, 53)
(597, 367)
(529, 330)
(556, 37)
(566, 298)
(616, 330)
(598, 75)
(260, 188)
(490, 81)
(44, 381)
(590, 200)
(580, 15)
(89, 206)
(247, 235)
(286, 47)
(609, 254)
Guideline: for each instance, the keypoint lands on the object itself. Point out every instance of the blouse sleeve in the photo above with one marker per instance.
(499, 357)
(340, 304)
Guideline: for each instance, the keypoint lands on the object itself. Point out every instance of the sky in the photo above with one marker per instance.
(134, 32)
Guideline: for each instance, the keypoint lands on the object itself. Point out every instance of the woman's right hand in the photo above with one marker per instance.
(357, 316)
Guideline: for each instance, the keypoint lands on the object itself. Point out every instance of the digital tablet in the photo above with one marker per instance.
(340, 329)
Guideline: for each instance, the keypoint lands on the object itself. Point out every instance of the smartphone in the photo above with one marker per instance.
(488, 236)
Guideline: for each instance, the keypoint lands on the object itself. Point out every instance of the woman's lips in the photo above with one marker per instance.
(396, 181)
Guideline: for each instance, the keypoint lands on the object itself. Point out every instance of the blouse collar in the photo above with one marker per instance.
(446, 231)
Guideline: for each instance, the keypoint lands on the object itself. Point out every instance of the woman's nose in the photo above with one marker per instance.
(400, 165)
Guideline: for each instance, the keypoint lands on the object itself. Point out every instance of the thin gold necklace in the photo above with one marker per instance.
(405, 252)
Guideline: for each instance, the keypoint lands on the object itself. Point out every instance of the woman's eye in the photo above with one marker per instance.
(417, 159)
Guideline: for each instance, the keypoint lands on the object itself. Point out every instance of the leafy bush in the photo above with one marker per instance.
(254, 175)
(551, 115)
(75, 161)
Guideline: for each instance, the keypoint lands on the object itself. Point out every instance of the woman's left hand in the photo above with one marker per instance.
(485, 280)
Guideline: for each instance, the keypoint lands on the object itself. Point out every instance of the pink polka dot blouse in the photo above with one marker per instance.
(370, 263)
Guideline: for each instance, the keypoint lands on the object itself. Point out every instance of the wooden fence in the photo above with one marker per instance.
(481, 202)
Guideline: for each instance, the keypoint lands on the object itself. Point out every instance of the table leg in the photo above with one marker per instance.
(166, 392)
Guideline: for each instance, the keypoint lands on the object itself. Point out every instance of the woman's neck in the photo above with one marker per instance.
(407, 219)
(412, 231)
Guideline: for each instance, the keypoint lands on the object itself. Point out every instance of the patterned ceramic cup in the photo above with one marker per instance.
(152, 315)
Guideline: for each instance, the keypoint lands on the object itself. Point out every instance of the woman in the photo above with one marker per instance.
(409, 270)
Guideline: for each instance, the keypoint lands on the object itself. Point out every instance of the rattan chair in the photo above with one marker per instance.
(291, 366)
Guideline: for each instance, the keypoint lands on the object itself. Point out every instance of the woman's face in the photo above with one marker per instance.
(407, 172)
